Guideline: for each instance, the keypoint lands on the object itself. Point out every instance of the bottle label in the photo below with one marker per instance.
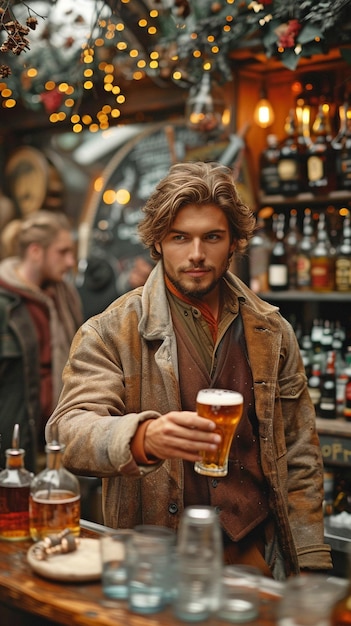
(270, 179)
(278, 275)
(345, 171)
(327, 404)
(258, 266)
(315, 395)
(343, 274)
(320, 275)
(303, 271)
(288, 169)
(315, 170)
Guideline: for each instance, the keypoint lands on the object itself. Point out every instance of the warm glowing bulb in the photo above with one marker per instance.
(264, 114)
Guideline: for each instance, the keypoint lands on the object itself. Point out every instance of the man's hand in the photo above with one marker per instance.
(180, 435)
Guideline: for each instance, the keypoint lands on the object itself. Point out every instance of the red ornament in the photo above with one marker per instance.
(287, 34)
(51, 100)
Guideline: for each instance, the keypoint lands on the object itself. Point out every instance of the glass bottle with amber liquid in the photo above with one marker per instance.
(321, 169)
(54, 503)
(341, 144)
(15, 483)
(322, 259)
(289, 164)
(343, 258)
(340, 614)
(259, 251)
(269, 176)
(304, 251)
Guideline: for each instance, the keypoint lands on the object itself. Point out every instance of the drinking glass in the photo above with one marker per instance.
(307, 600)
(150, 574)
(224, 408)
(199, 561)
(240, 597)
(115, 555)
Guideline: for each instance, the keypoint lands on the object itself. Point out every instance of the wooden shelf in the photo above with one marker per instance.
(306, 296)
(335, 440)
(305, 199)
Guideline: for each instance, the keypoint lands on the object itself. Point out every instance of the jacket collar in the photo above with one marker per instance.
(156, 321)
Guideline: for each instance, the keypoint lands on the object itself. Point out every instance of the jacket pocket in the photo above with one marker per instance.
(292, 387)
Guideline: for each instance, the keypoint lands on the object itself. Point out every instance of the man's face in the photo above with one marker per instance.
(58, 258)
(196, 251)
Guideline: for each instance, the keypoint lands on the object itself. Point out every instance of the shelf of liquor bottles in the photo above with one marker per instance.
(301, 308)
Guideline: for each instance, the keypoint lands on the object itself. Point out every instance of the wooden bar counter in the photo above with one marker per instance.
(28, 599)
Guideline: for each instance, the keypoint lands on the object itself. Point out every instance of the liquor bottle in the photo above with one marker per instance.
(303, 117)
(316, 335)
(278, 278)
(327, 404)
(54, 502)
(303, 255)
(321, 172)
(306, 350)
(347, 398)
(328, 485)
(322, 260)
(15, 483)
(289, 159)
(314, 384)
(259, 251)
(291, 241)
(340, 613)
(269, 176)
(343, 258)
(342, 378)
(327, 337)
(342, 146)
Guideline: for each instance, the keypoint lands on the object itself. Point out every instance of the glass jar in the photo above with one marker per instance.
(54, 503)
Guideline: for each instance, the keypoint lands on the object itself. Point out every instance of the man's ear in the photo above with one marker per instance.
(35, 250)
(158, 248)
(232, 248)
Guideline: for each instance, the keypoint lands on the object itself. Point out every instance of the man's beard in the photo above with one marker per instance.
(193, 292)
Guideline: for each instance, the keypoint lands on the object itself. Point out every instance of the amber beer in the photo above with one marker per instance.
(225, 408)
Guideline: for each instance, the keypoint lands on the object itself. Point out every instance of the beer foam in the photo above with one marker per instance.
(225, 397)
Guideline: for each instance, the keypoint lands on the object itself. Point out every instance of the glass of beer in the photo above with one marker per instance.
(224, 408)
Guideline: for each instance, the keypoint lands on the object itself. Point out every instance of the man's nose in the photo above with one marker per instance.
(197, 250)
(70, 260)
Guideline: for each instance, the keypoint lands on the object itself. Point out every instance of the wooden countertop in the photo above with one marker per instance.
(27, 599)
(337, 427)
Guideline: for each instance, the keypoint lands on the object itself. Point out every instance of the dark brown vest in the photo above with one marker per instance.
(241, 496)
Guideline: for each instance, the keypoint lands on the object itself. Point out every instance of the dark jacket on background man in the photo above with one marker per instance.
(21, 347)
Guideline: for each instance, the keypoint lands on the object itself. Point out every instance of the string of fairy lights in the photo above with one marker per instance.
(55, 55)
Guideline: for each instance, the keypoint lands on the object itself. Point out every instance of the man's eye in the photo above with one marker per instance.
(178, 237)
(212, 236)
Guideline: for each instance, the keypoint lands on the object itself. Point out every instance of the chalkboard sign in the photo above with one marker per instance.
(336, 450)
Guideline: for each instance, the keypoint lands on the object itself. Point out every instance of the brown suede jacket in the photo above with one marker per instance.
(122, 371)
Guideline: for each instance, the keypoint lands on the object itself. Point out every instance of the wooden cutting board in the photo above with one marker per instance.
(82, 565)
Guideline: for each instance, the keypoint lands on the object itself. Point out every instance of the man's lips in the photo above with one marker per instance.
(197, 271)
